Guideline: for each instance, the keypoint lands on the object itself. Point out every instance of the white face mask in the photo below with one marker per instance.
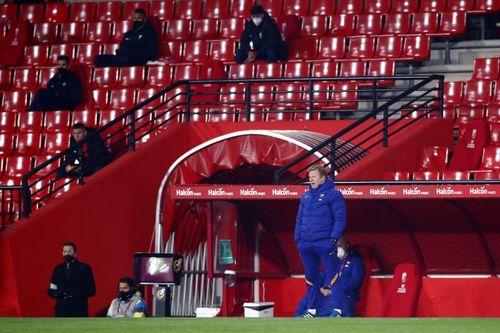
(257, 20)
(341, 254)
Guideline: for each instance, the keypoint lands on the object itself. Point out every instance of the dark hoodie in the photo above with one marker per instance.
(140, 44)
(265, 36)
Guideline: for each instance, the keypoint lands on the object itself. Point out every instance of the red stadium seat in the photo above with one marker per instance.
(296, 7)
(28, 144)
(188, 9)
(30, 122)
(56, 12)
(321, 94)
(404, 6)
(453, 92)
(478, 92)
(143, 94)
(99, 99)
(279, 114)
(455, 175)
(268, 71)
(204, 29)
(215, 70)
(491, 158)
(178, 30)
(495, 134)
(6, 144)
(62, 49)
(483, 6)
(31, 12)
(110, 48)
(240, 8)
(272, 7)
(426, 175)
(222, 50)
(56, 142)
(217, 9)
(493, 113)
(221, 114)
(89, 118)
(352, 68)
(432, 5)
(121, 99)
(8, 12)
(342, 25)
(5, 77)
(24, 78)
(289, 94)
(159, 76)
(382, 68)
(17, 166)
(130, 6)
(186, 72)
(459, 5)
(8, 122)
(433, 158)
(132, 77)
(105, 77)
(344, 96)
(361, 47)
(72, 32)
(368, 24)
(452, 24)
(163, 10)
(314, 26)
(466, 113)
(417, 48)
(110, 115)
(109, 11)
(44, 33)
(231, 28)
(57, 121)
(485, 175)
(172, 49)
(377, 6)
(396, 175)
(296, 69)
(232, 95)
(241, 71)
(486, 69)
(195, 51)
(98, 32)
(324, 69)
(349, 7)
(82, 11)
(389, 47)
(289, 25)
(322, 7)
(424, 23)
(15, 101)
(36, 55)
(397, 23)
(304, 49)
(119, 30)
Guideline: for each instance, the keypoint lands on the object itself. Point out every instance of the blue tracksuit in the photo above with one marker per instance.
(324, 305)
(321, 217)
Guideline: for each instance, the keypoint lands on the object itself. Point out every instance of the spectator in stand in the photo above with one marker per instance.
(129, 302)
(321, 220)
(87, 153)
(138, 46)
(63, 91)
(72, 283)
(261, 39)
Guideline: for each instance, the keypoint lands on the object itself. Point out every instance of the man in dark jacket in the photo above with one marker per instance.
(72, 283)
(87, 153)
(63, 91)
(261, 39)
(138, 46)
(321, 220)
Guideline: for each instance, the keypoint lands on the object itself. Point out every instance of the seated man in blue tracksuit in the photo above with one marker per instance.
(321, 220)
(341, 300)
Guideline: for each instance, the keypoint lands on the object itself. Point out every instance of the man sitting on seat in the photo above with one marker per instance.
(138, 46)
(63, 91)
(129, 302)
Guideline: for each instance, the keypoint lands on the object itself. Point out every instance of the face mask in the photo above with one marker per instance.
(257, 20)
(61, 70)
(341, 254)
(69, 258)
(138, 24)
(125, 295)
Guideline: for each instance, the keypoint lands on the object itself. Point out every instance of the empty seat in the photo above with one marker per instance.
(31, 12)
(377, 6)
(204, 29)
(186, 72)
(188, 9)
(361, 47)
(195, 51)
(304, 49)
(344, 96)
(322, 7)
(426, 175)
(491, 158)
(24, 78)
(240, 8)
(30, 122)
(483, 6)
(267, 71)
(8, 122)
(478, 92)
(331, 48)
(130, 6)
(452, 24)
(6, 144)
(17, 166)
(57, 121)
(493, 113)
(289, 95)
(36, 55)
(466, 113)
(72, 32)
(56, 12)
(314, 26)
(15, 101)
(379, 68)
(98, 32)
(217, 9)
(389, 47)
(99, 99)
(459, 5)
(232, 95)
(159, 76)
(272, 7)
(404, 6)
(455, 175)
(121, 99)
(132, 77)
(324, 69)
(105, 77)
(28, 144)
(44, 33)
(89, 118)
(349, 7)
(396, 175)
(433, 158)
(163, 10)
(397, 23)
(231, 28)
(368, 24)
(8, 12)
(222, 50)
(342, 25)
(82, 11)
(424, 23)
(241, 71)
(178, 30)
(486, 69)
(453, 92)
(296, 7)
(289, 25)
(352, 68)
(432, 5)
(416, 48)
(296, 69)
(5, 76)
(63, 49)
(120, 29)
(56, 142)
(485, 175)
(144, 94)
(172, 50)
(109, 11)
(495, 134)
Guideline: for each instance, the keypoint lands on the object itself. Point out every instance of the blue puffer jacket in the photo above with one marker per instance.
(345, 290)
(321, 213)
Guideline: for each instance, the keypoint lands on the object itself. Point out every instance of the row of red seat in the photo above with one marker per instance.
(192, 9)
(474, 92)
(433, 24)
(486, 69)
(444, 175)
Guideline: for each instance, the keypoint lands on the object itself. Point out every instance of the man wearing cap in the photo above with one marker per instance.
(261, 39)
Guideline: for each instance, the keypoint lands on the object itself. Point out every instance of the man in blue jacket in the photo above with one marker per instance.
(261, 39)
(321, 220)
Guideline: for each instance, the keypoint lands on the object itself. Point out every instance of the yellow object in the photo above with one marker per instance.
(139, 315)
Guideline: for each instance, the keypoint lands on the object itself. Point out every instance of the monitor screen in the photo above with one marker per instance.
(157, 268)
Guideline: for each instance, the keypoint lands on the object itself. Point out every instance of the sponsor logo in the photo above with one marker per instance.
(350, 191)
(447, 191)
(283, 192)
(381, 191)
(481, 191)
(251, 192)
(187, 192)
(219, 192)
(414, 191)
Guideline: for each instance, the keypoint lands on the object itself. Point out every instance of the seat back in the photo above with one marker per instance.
(404, 291)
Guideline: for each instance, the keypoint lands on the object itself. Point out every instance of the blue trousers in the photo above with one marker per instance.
(271, 55)
(313, 254)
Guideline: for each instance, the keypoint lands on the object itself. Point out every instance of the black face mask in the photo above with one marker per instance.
(138, 24)
(125, 295)
(69, 258)
(62, 70)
